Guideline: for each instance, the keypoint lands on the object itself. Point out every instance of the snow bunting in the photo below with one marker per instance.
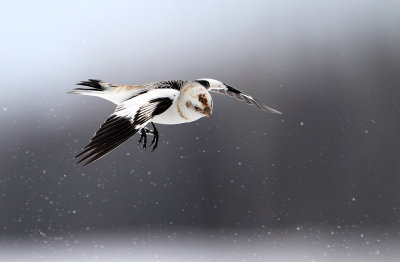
(164, 102)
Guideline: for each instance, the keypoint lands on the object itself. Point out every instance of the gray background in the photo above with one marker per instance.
(330, 162)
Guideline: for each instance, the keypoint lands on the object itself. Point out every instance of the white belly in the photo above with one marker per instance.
(172, 117)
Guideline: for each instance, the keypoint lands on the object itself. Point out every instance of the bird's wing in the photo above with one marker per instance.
(127, 120)
(233, 92)
(117, 93)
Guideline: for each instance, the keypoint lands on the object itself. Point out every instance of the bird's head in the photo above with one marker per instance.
(197, 101)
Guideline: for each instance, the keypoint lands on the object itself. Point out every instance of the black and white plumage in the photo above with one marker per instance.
(164, 102)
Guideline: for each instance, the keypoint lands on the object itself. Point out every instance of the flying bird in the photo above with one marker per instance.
(164, 102)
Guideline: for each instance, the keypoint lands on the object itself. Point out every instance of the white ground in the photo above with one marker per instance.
(185, 245)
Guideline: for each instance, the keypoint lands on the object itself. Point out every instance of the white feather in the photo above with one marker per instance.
(130, 107)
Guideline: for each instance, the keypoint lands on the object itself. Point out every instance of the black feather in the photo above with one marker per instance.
(233, 90)
(204, 83)
(93, 83)
(173, 84)
(111, 134)
(154, 107)
(162, 105)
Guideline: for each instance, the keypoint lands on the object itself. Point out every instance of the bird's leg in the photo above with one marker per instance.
(144, 132)
(155, 137)
(143, 137)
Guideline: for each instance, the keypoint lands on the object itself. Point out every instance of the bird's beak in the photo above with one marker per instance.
(207, 112)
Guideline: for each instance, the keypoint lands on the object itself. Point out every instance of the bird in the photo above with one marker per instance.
(163, 102)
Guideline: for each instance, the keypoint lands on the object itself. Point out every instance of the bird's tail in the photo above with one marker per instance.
(94, 87)
(91, 86)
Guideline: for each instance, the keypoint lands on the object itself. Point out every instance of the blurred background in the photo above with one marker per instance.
(319, 183)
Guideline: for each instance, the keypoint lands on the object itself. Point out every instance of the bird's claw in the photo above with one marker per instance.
(155, 137)
(143, 138)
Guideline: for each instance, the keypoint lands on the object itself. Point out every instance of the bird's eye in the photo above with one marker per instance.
(197, 108)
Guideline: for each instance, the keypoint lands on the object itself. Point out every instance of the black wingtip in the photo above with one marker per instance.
(114, 131)
(88, 162)
(232, 89)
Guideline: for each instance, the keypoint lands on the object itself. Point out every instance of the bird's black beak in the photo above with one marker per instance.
(207, 112)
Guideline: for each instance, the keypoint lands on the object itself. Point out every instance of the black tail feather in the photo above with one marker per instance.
(93, 83)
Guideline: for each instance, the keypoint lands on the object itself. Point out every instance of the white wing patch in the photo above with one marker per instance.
(127, 120)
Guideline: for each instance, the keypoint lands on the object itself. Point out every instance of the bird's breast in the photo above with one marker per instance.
(173, 115)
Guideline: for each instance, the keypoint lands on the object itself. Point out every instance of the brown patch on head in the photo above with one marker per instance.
(203, 99)
(188, 104)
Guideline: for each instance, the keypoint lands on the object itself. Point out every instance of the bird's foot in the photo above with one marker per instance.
(155, 137)
(143, 138)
